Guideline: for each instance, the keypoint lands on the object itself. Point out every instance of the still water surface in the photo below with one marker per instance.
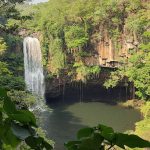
(65, 119)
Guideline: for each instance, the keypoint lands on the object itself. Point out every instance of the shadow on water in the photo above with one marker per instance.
(60, 125)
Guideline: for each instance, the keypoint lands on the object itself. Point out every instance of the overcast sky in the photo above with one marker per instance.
(38, 1)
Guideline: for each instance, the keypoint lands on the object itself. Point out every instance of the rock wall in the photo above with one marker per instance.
(105, 53)
(109, 52)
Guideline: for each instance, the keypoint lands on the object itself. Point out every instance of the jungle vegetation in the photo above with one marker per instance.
(68, 32)
(70, 29)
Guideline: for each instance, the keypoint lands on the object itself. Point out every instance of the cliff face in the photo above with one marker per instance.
(106, 52)
(109, 54)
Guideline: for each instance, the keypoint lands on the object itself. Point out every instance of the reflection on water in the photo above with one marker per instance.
(63, 122)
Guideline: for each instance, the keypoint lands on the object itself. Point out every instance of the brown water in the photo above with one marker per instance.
(66, 118)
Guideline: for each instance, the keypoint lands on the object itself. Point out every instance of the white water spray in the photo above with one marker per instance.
(34, 77)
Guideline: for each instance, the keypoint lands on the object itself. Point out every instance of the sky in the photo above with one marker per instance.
(38, 1)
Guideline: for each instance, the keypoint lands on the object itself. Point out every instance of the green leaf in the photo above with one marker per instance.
(33, 142)
(3, 93)
(9, 106)
(1, 144)
(1, 115)
(72, 145)
(38, 143)
(89, 144)
(106, 132)
(89, 141)
(21, 132)
(85, 132)
(10, 138)
(7, 135)
(131, 141)
(25, 117)
(103, 128)
(47, 145)
(98, 139)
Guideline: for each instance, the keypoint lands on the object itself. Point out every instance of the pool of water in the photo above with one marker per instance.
(65, 119)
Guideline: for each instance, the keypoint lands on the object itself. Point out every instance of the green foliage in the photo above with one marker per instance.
(94, 70)
(12, 40)
(2, 46)
(8, 11)
(9, 75)
(62, 29)
(15, 63)
(38, 143)
(80, 24)
(10, 82)
(143, 126)
(139, 20)
(18, 125)
(114, 78)
(83, 54)
(75, 36)
(83, 72)
(146, 110)
(11, 71)
(56, 62)
(42, 134)
(103, 137)
(137, 70)
(6, 5)
(22, 98)
(4, 69)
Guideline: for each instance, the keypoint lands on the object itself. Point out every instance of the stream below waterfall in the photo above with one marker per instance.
(67, 118)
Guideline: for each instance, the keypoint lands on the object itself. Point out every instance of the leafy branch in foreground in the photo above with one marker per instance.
(18, 125)
(102, 137)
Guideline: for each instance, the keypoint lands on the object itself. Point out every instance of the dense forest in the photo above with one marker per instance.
(78, 41)
(82, 41)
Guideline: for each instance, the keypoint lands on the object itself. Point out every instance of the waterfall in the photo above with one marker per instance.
(34, 77)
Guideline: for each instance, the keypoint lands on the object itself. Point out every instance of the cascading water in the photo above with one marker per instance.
(34, 77)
